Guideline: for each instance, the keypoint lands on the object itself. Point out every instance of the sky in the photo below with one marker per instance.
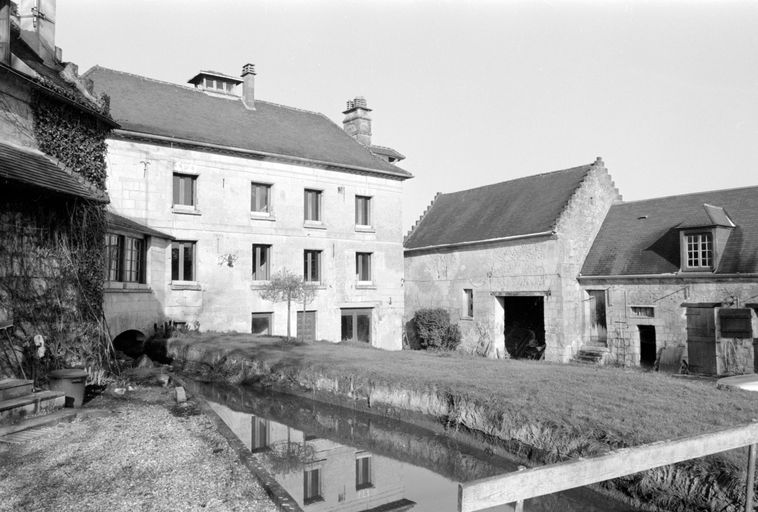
(475, 92)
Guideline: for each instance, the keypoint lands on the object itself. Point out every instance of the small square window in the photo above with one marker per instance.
(363, 266)
(183, 261)
(313, 205)
(260, 198)
(185, 189)
(363, 472)
(262, 324)
(261, 262)
(362, 211)
(311, 485)
(312, 266)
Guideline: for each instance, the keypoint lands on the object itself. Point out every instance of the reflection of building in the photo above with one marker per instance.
(318, 473)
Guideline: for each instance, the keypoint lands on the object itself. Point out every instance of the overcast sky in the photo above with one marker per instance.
(475, 92)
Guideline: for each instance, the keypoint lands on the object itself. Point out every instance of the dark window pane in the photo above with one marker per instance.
(261, 323)
(177, 189)
(363, 328)
(347, 327)
(188, 263)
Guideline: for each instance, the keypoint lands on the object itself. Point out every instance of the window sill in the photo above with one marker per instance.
(315, 285)
(466, 318)
(365, 285)
(185, 210)
(185, 285)
(259, 285)
(114, 287)
(312, 224)
(315, 499)
(262, 216)
(364, 229)
(364, 486)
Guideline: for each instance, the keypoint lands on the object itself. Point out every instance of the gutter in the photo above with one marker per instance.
(486, 241)
(210, 145)
(751, 275)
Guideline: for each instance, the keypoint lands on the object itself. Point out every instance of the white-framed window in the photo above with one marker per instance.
(261, 323)
(312, 485)
(362, 211)
(261, 262)
(185, 189)
(183, 261)
(363, 266)
(260, 198)
(125, 258)
(312, 205)
(312, 265)
(363, 472)
(699, 251)
(468, 303)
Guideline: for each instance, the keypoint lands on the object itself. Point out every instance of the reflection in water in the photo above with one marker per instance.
(334, 459)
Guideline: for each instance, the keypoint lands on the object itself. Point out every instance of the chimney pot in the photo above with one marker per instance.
(248, 85)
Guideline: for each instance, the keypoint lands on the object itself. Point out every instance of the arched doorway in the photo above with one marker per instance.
(131, 343)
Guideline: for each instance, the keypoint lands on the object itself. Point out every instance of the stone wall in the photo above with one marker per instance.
(667, 297)
(223, 297)
(545, 266)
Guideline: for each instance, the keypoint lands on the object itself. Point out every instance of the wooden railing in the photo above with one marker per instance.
(517, 486)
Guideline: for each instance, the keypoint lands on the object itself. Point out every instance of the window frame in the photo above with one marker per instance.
(360, 265)
(312, 497)
(261, 429)
(695, 252)
(120, 258)
(268, 315)
(308, 265)
(360, 459)
(261, 272)
(267, 211)
(315, 205)
(468, 303)
(182, 246)
(365, 210)
(181, 192)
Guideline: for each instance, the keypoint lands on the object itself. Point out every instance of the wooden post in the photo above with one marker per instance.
(750, 478)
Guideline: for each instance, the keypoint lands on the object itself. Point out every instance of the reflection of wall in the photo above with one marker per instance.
(335, 462)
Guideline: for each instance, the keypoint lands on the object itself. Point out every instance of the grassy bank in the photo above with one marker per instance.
(563, 410)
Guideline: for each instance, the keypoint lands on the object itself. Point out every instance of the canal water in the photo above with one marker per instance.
(331, 458)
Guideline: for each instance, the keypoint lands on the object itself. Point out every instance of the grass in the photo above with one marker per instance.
(631, 404)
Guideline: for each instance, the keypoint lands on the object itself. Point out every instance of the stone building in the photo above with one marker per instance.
(677, 278)
(52, 192)
(246, 188)
(506, 256)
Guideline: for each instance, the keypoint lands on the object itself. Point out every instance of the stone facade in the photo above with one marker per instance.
(630, 301)
(543, 266)
(223, 295)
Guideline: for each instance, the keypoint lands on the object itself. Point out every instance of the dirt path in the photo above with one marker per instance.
(146, 455)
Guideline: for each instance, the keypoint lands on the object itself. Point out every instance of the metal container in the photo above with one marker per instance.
(71, 381)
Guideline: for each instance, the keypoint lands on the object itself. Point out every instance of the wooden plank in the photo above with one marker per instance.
(522, 485)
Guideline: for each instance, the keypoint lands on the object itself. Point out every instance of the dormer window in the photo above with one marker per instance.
(211, 81)
(699, 251)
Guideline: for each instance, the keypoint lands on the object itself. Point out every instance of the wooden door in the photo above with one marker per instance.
(306, 326)
(701, 340)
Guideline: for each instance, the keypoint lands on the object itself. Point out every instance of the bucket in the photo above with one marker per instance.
(71, 381)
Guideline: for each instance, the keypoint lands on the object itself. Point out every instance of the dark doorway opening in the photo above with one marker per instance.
(648, 349)
(525, 326)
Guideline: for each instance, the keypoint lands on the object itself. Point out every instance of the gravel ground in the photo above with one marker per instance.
(146, 454)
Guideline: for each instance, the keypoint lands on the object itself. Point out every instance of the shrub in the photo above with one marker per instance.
(435, 331)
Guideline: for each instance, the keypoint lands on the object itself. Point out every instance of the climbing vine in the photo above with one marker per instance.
(52, 249)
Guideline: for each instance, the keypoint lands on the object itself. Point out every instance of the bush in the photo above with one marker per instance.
(435, 331)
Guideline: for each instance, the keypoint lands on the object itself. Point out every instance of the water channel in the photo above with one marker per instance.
(331, 458)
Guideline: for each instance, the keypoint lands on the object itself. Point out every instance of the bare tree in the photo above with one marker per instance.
(289, 287)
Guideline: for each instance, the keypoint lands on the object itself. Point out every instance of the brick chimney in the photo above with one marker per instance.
(5, 32)
(248, 86)
(357, 122)
(37, 20)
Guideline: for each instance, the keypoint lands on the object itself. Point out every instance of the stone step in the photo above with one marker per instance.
(39, 421)
(34, 403)
(12, 388)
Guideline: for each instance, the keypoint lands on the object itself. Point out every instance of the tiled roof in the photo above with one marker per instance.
(116, 221)
(33, 167)
(522, 206)
(152, 107)
(642, 237)
(388, 152)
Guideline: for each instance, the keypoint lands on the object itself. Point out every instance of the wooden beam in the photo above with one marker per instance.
(522, 485)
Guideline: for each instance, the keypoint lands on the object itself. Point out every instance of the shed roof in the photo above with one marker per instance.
(153, 107)
(523, 206)
(116, 221)
(32, 167)
(642, 237)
